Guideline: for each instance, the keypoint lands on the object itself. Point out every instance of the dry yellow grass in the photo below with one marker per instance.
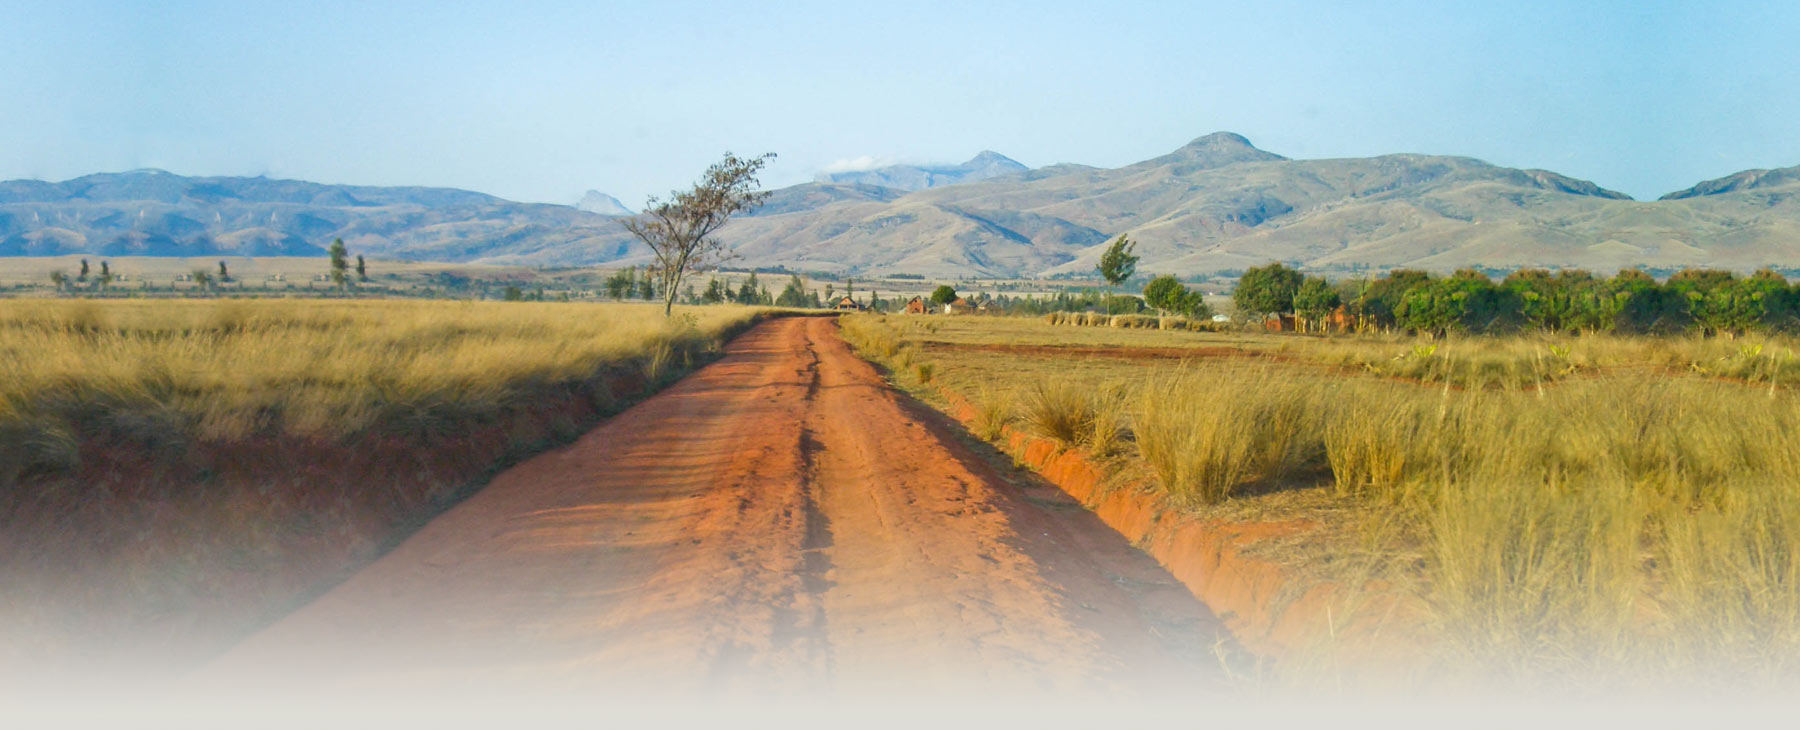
(1573, 511)
(228, 369)
(172, 473)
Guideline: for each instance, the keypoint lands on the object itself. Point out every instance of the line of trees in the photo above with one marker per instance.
(1709, 301)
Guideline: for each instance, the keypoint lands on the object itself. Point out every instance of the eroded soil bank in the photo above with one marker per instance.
(159, 550)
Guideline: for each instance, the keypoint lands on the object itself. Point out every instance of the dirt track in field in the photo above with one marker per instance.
(778, 523)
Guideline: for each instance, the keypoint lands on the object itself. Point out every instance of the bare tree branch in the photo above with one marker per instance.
(679, 231)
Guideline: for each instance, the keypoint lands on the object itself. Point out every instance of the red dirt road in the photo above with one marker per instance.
(780, 522)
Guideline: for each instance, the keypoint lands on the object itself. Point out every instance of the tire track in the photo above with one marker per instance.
(779, 523)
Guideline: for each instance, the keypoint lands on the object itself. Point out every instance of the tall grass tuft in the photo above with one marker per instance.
(1730, 574)
(1534, 579)
(993, 411)
(1111, 426)
(1057, 410)
(1206, 432)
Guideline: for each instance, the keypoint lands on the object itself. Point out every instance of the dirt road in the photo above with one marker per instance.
(778, 522)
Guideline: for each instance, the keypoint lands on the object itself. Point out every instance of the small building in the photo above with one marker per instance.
(991, 306)
(959, 305)
(1280, 323)
(916, 306)
(847, 305)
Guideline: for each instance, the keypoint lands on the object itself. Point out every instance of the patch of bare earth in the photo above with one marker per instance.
(780, 523)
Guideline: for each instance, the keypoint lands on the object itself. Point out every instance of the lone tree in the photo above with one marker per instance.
(943, 295)
(362, 269)
(106, 277)
(84, 271)
(680, 230)
(224, 273)
(340, 263)
(1117, 264)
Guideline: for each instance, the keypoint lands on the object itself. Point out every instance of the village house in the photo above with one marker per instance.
(916, 306)
(847, 304)
(959, 306)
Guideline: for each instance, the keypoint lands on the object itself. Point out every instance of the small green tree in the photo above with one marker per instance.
(340, 264)
(1465, 301)
(202, 280)
(943, 295)
(1377, 301)
(1267, 290)
(794, 294)
(1314, 301)
(748, 293)
(106, 276)
(1169, 295)
(1433, 309)
(1117, 264)
(1165, 293)
(84, 271)
(620, 283)
(1704, 297)
(59, 279)
(714, 293)
(1780, 305)
(362, 269)
(513, 293)
(1646, 306)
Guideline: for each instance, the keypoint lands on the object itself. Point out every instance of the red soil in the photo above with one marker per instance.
(780, 522)
(146, 561)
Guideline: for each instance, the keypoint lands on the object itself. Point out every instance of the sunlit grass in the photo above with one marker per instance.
(1571, 511)
(229, 370)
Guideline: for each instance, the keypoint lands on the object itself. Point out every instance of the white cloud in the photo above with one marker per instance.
(858, 164)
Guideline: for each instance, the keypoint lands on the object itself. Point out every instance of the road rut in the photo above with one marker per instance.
(780, 522)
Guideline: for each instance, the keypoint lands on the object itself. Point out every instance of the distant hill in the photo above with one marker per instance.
(1786, 177)
(983, 166)
(156, 213)
(1216, 204)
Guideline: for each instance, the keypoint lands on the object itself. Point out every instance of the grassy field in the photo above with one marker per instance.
(171, 469)
(1573, 512)
(226, 370)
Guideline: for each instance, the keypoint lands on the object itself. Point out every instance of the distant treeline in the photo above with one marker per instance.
(1708, 301)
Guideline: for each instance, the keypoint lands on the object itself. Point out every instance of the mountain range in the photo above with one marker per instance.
(156, 213)
(1216, 204)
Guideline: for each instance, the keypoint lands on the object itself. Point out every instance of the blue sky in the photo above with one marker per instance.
(541, 101)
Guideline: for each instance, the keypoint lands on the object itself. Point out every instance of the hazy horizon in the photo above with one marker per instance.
(541, 102)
